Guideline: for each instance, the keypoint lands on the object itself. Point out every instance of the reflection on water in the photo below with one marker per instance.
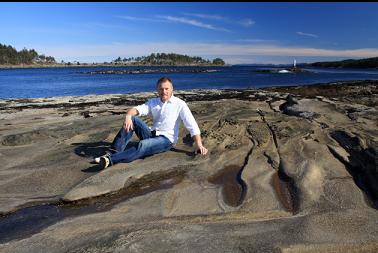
(30, 220)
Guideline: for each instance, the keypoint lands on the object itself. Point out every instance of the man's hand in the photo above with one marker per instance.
(202, 150)
(199, 147)
(128, 124)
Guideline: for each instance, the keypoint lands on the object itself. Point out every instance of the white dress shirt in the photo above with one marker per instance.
(167, 117)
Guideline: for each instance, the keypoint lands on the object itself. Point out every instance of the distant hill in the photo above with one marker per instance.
(362, 63)
(10, 56)
(170, 59)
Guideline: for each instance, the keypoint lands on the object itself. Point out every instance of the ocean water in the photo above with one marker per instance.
(48, 82)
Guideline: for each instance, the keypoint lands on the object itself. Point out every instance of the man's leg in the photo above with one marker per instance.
(145, 147)
(122, 138)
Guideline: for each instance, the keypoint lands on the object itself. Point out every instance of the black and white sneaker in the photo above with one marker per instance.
(97, 159)
(104, 162)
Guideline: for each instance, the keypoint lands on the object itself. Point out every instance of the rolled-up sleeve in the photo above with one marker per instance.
(189, 121)
(143, 109)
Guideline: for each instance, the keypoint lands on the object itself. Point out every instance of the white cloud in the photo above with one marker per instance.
(246, 22)
(308, 34)
(193, 23)
(227, 51)
(182, 20)
(158, 18)
(206, 16)
(131, 18)
(254, 41)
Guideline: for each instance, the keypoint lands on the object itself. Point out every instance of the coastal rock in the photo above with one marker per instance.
(294, 108)
(284, 173)
(145, 70)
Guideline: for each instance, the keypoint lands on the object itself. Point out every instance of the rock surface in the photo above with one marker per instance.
(287, 171)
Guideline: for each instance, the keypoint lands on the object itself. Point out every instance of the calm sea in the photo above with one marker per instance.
(48, 82)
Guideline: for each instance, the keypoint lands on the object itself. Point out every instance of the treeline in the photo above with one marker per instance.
(170, 59)
(361, 63)
(10, 56)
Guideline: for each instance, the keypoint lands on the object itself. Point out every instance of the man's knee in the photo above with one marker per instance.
(135, 120)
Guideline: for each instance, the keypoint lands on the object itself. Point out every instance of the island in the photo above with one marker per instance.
(349, 63)
(367, 63)
(30, 58)
(170, 59)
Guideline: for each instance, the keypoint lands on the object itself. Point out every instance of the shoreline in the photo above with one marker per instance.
(3, 67)
(307, 90)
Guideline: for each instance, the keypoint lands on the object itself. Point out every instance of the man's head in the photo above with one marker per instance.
(164, 87)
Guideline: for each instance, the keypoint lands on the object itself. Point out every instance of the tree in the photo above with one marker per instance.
(9, 55)
(218, 61)
(50, 59)
(170, 59)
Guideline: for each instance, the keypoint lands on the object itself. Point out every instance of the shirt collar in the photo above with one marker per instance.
(170, 100)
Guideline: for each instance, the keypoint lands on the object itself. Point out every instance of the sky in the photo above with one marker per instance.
(239, 33)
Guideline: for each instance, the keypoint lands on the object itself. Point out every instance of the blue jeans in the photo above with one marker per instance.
(149, 144)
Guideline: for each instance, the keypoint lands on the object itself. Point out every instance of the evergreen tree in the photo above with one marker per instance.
(218, 61)
(10, 56)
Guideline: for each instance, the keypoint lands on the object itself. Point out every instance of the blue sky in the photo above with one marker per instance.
(236, 32)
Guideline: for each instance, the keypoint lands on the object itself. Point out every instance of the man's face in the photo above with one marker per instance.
(165, 91)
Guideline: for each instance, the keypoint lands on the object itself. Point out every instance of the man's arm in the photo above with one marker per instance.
(199, 146)
(191, 124)
(141, 110)
(128, 123)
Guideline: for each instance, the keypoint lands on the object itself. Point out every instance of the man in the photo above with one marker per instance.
(167, 112)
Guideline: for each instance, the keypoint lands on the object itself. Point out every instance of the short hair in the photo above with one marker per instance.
(162, 80)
